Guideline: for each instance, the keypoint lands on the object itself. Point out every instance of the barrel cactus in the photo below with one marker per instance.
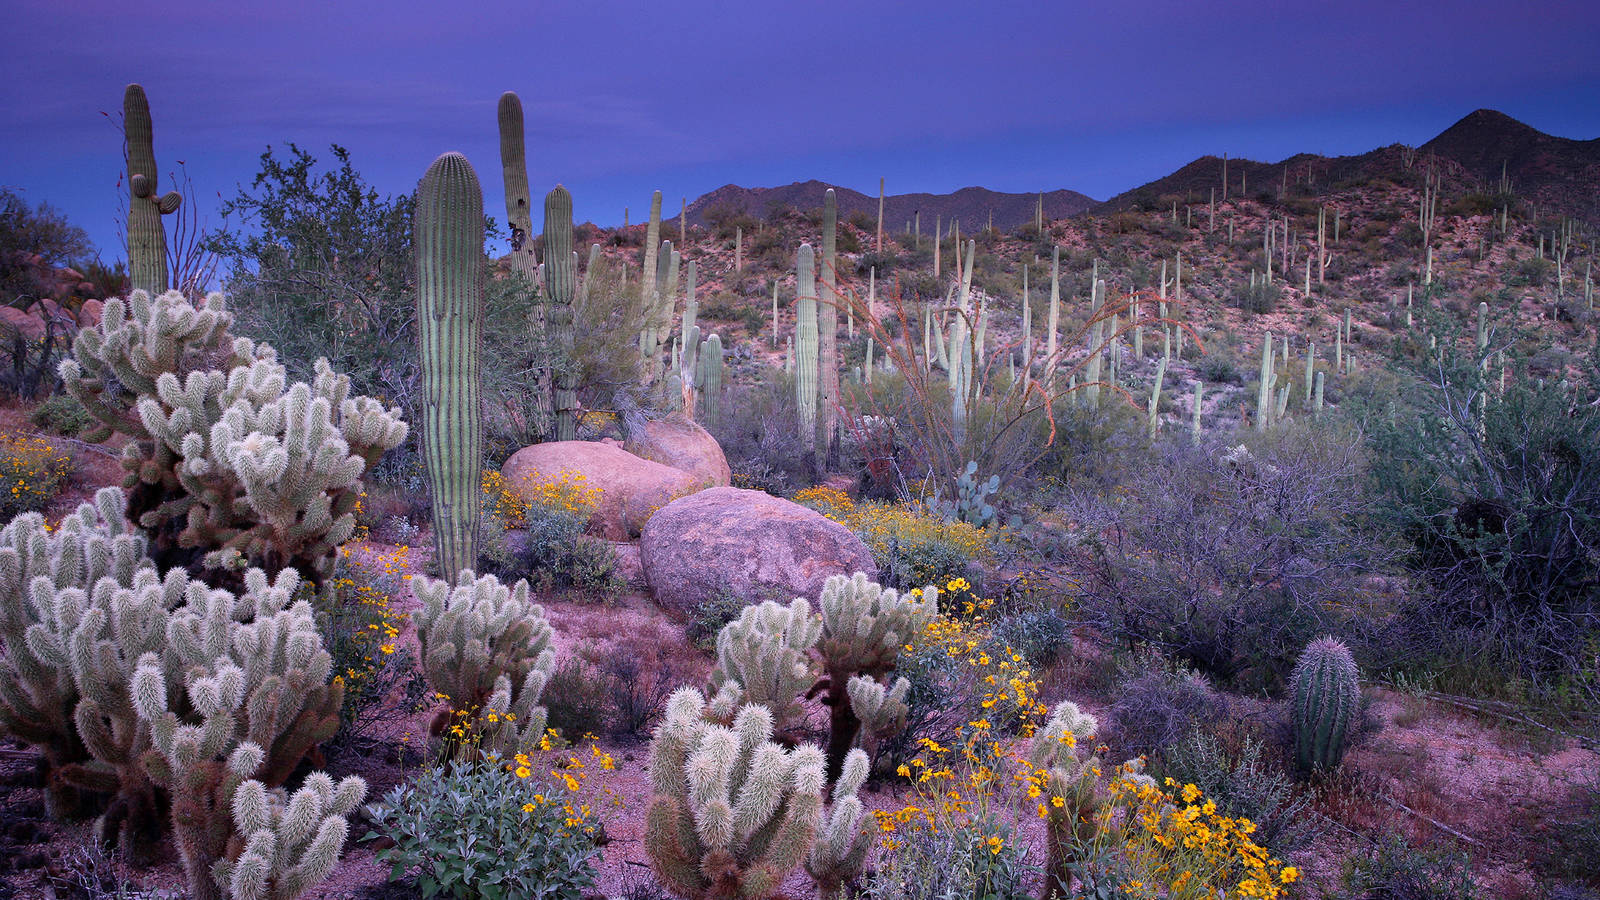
(1325, 695)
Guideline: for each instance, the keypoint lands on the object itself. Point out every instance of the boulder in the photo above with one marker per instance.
(749, 544)
(677, 442)
(630, 488)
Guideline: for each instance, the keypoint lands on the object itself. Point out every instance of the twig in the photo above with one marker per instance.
(1429, 819)
(1511, 714)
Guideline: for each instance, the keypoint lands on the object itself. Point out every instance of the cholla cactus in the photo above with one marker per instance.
(766, 653)
(255, 681)
(42, 575)
(1325, 691)
(731, 813)
(486, 648)
(882, 709)
(1064, 773)
(227, 463)
(290, 844)
(846, 835)
(864, 628)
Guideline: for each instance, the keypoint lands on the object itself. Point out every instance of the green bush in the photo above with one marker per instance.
(484, 831)
(954, 862)
(1042, 636)
(32, 472)
(707, 618)
(576, 700)
(556, 553)
(61, 414)
(361, 622)
(1259, 297)
(1246, 786)
(1395, 870)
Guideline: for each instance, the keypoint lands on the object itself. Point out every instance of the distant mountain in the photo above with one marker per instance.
(1559, 174)
(972, 205)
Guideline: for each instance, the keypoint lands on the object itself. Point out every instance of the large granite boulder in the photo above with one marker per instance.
(677, 442)
(631, 488)
(748, 544)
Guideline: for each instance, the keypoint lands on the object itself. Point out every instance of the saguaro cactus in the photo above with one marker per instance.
(1325, 692)
(708, 379)
(828, 326)
(449, 238)
(560, 283)
(731, 813)
(805, 345)
(519, 217)
(147, 237)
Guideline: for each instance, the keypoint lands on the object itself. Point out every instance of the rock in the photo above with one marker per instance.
(746, 543)
(90, 312)
(630, 488)
(677, 442)
(31, 327)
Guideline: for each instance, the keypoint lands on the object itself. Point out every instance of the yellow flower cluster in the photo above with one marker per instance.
(1173, 845)
(372, 581)
(569, 491)
(899, 529)
(570, 772)
(31, 473)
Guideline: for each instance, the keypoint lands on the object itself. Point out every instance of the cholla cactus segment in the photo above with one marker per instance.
(846, 833)
(486, 649)
(731, 813)
(254, 673)
(1325, 690)
(881, 709)
(865, 625)
(1064, 774)
(766, 652)
(227, 461)
(290, 843)
(59, 584)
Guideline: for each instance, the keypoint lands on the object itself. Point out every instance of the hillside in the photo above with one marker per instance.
(971, 205)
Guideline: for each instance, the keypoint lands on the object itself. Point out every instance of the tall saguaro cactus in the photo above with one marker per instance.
(828, 325)
(560, 281)
(519, 216)
(449, 240)
(147, 237)
(805, 344)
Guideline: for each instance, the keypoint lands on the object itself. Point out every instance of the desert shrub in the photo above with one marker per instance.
(1220, 368)
(1497, 498)
(537, 531)
(1245, 785)
(485, 830)
(576, 699)
(708, 617)
(1231, 559)
(61, 414)
(1531, 272)
(1155, 705)
(1042, 636)
(959, 861)
(911, 546)
(638, 679)
(361, 624)
(1260, 296)
(1098, 447)
(757, 433)
(1395, 871)
(32, 472)
(1572, 843)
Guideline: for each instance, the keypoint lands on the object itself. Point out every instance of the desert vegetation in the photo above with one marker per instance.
(1220, 544)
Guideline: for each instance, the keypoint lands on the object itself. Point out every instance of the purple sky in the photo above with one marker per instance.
(688, 95)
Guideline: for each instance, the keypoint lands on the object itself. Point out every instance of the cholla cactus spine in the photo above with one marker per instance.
(290, 843)
(486, 647)
(731, 813)
(449, 237)
(1325, 690)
